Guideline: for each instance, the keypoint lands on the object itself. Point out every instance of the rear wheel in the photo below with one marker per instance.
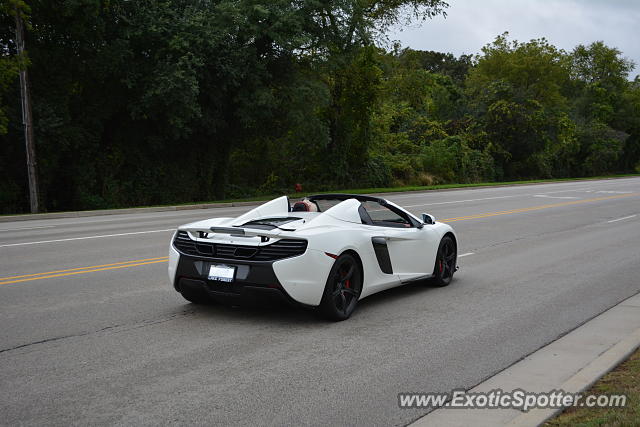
(343, 288)
(445, 262)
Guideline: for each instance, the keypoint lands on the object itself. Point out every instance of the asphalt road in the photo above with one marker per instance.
(116, 345)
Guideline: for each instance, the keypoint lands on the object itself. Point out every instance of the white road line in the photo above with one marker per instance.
(459, 201)
(615, 192)
(576, 190)
(555, 197)
(467, 254)
(27, 228)
(86, 237)
(623, 218)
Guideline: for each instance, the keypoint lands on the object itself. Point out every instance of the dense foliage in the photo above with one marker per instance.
(139, 103)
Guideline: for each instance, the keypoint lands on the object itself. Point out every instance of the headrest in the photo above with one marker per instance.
(305, 206)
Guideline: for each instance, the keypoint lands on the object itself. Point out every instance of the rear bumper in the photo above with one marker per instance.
(245, 294)
(298, 280)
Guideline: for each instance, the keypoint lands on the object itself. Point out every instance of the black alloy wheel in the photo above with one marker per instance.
(445, 262)
(343, 288)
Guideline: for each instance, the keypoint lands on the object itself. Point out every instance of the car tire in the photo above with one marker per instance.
(343, 288)
(445, 265)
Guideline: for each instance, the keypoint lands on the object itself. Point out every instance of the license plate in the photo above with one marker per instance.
(222, 273)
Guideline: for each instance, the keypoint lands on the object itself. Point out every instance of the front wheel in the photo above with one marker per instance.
(445, 262)
(342, 289)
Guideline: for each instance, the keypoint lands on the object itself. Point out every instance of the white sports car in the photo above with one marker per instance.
(326, 251)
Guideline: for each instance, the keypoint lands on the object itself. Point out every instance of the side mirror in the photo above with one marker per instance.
(428, 219)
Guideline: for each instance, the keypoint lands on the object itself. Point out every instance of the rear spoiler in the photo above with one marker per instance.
(236, 231)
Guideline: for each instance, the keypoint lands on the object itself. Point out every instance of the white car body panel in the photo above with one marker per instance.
(174, 256)
(346, 211)
(331, 233)
(273, 208)
(299, 275)
(412, 249)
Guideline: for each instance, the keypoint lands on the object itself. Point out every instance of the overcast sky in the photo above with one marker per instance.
(470, 24)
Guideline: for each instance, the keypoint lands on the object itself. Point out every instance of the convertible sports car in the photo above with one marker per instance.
(326, 251)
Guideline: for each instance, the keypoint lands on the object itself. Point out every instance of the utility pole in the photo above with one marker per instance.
(27, 119)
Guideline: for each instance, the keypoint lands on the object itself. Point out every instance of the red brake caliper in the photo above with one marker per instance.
(347, 284)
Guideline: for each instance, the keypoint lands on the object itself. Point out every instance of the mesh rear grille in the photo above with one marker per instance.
(284, 248)
(184, 244)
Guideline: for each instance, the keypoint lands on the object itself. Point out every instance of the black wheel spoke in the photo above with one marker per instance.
(349, 273)
(350, 292)
(445, 262)
(446, 266)
(344, 287)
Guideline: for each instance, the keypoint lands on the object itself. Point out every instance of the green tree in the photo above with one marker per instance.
(598, 63)
(10, 62)
(601, 147)
(517, 91)
(600, 76)
(128, 94)
(9, 68)
(184, 100)
(344, 33)
(604, 105)
(13, 192)
(438, 62)
(534, 70)
(629, 121)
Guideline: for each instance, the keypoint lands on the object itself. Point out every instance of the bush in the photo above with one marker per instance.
(451, 159)
(601, 148)
(377, 173)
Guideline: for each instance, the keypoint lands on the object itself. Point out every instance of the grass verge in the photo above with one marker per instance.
(374, 190)
(625, 379)
(380, 190)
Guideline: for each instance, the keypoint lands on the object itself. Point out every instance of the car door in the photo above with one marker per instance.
(408, 245)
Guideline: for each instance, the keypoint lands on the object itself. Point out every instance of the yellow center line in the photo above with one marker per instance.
(134, 263)
(164, 258)
(537, 208)
(82, 272)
